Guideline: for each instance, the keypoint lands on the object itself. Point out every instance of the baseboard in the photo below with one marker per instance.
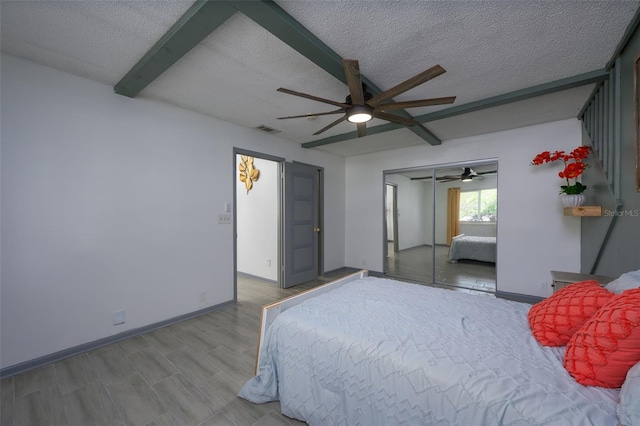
(85, 347)
(518, 297)
(343, 269)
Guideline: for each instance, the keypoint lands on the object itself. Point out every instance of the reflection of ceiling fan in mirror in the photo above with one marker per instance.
(467, 175)
(361, 106)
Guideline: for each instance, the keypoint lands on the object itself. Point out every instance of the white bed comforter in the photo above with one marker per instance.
(383, 352)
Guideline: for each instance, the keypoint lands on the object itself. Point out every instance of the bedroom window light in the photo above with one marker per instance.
(479, 205)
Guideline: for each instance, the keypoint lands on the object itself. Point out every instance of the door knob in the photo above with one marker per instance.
(316, 229)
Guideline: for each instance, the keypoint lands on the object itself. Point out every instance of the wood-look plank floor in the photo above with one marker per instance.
(415, 264)
(183, 374)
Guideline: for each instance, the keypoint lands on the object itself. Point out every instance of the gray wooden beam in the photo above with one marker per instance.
(518, 95)
(352, 135)
(202, 18)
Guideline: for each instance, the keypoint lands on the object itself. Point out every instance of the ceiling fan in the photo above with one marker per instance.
(361, 106)
(467, 175)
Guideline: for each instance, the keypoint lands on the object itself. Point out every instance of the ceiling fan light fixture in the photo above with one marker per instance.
(467, 175)
(359, 114)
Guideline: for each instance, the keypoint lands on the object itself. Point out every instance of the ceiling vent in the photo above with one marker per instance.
(267, 129)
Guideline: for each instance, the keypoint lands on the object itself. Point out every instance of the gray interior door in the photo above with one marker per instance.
(301, 226)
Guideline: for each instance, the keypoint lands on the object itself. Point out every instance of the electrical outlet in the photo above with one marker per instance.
(544, 286)
(224, 219)
(203, 296)
(268, 263)
(119, 317)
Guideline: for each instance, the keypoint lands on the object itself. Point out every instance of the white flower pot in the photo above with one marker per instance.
(572, 200)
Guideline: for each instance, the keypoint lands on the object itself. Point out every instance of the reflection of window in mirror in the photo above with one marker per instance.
(479, 205)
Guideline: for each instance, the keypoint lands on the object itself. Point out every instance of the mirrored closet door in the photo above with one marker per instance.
(445, 228)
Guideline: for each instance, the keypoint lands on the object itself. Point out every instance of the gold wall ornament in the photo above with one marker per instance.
(248, 173)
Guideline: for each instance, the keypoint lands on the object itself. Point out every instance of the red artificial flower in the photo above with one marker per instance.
(572, 170)
(581, 152)
(543, 157)
(573, 166)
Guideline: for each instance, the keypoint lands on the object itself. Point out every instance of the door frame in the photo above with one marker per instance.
(396, 236)
(280, 190)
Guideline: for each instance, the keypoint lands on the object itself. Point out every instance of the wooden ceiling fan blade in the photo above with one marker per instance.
(395, 118)
(414, 81)
(338, 121)
(362, 130)
(417, 103)
(352, 72)
(313, 98)
(338, 111)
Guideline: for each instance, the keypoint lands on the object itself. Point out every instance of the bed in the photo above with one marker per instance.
(472, 247)
(373, 351)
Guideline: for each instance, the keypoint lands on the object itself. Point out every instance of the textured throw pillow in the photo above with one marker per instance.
(626, 281)
(608, 345)
(554, 320)
(629, 406)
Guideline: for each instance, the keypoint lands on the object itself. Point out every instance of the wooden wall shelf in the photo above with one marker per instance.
(583, 211)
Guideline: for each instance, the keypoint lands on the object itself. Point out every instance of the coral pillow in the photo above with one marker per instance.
(608, 345)
(554, 320)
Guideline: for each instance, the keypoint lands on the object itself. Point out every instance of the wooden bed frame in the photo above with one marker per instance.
(272, 310)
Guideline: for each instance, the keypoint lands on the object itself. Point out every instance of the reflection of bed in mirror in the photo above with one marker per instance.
(472, 247)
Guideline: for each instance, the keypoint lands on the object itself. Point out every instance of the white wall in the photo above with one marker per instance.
(111, 203)
(411, 224)
(257, 222)
(533, 235)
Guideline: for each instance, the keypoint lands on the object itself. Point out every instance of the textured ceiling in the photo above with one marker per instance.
(99, 40)
(487, 47)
